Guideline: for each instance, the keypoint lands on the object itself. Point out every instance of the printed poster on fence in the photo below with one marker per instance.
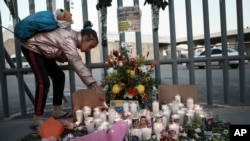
(129, 19)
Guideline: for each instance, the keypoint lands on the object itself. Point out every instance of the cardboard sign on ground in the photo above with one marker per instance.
(166, 93)
(51, 128)
(85, 97)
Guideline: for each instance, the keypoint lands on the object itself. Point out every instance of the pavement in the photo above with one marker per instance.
(16, 127)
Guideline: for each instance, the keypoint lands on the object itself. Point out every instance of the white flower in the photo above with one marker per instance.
(143, 68)
(197, 130)
(111, 70)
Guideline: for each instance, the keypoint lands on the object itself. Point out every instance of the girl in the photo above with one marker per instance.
(43, 50)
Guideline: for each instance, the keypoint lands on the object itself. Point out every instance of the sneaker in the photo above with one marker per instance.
(60, 114)
(36, 123)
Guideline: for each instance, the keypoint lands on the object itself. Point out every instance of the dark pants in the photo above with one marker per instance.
(44, 68)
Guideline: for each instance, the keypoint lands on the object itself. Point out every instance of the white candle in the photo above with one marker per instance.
(189, 116)
(146, 133)
(103, 116)
(181, 115)
(158, 127)
(104, 126)
(79, 116)
(174, 130)
(178, 98)
(175, 107)
(164, 107)
(166, 117)
(111, 116)
(97, 114)
(86, 114)
(190, 103)
(133, 107)
(86, 111)
(155, 107)
(136, 132)
(125, 107)
(176, 118)
(97, 109)
(90, 125)
(98, 122)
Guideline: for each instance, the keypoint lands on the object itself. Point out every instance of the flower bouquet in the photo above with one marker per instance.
(129, 78)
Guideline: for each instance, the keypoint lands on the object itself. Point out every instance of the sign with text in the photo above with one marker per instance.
(129, 19)
(239, 132)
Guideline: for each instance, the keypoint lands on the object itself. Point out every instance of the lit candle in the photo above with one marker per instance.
(86, 111)
(155, 107)
(174, 131)
(164, 107)
(79, 116)
(178, 98)
(198, 109)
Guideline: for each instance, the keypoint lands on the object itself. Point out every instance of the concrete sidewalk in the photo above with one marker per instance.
(15, 129)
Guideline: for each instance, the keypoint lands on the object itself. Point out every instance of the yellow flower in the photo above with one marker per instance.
(140, 89)
(131, 73)
(116, 89)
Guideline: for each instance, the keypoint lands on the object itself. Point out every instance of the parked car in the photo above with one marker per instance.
(25, 63)
(215, 52)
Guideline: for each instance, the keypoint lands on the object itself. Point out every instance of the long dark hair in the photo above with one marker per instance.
(87, 30)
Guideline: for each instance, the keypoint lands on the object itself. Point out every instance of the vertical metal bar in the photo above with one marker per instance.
(32, 6)
(241, 47)
(121, 35)
(71, 71)
(19, 65)
(224, 49)
(208, 52)
(3, 79)
(190, 42)
(156, 53)
(138, 34)
(85, 18)
(49, 5)
(102, 18)
(173, 41)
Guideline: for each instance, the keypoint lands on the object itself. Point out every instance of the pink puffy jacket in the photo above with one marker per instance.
(61, 44)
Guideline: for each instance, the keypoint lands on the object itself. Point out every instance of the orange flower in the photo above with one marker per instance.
(153, 64)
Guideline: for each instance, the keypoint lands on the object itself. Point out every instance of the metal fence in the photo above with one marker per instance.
(173, 61)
